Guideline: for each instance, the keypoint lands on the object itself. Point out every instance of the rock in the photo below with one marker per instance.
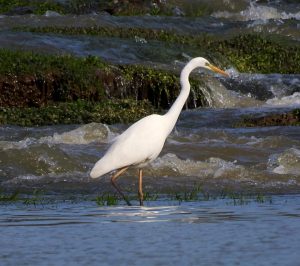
(178, 12)
(50, 13)
(291, 118)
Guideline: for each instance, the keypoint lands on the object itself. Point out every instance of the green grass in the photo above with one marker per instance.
(195, 194)
(13, 197)
(107, 199)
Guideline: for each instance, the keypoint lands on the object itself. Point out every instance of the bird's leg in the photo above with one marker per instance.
(113, 182)
(141, 195)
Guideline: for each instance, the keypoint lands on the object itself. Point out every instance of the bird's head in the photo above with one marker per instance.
(202, 62)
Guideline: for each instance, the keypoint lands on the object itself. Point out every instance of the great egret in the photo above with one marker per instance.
(142, 142)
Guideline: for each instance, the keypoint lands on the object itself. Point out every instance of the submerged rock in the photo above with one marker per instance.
(37, 80)
(77, 112)
(291, 118)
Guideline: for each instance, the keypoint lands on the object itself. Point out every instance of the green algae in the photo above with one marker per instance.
(53, 82)
(78, 112)
(248, 53)
(260, 54)
(29, 79)
(9, 197)
(22, 62)
(121, 32)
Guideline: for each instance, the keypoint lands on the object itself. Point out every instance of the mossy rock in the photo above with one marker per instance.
(247, 52)
(29, 79)
(291, 118)
(260, 54)
(33, 80)
(78, 112)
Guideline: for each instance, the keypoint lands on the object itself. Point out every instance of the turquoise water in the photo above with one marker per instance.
(216, 232)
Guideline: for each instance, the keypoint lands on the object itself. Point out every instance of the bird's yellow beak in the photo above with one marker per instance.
(217, 70)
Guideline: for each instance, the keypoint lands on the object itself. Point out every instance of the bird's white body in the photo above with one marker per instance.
(142, 142)
(129, 147)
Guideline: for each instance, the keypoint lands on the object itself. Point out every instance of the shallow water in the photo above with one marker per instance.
(216, 232)
(204, 149)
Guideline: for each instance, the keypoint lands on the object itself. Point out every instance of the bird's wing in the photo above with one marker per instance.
(141, 142)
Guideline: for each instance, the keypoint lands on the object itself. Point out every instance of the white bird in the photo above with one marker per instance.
(142, 142)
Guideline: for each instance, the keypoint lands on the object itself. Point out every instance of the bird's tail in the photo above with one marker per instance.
(100, 169)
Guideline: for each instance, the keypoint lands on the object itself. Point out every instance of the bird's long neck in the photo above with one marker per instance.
(174, 112)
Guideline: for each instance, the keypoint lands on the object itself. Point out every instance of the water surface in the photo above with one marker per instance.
(216, 232)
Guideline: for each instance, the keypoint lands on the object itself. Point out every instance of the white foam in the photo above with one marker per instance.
(22, 144)
(218, 96)
(170, 164)
(50, 13)
(291, 100)
(257, 12)
(86, 134)
(83, 135)
(287, 162)
(69, 177)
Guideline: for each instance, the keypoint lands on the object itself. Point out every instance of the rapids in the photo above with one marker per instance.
(205, 148)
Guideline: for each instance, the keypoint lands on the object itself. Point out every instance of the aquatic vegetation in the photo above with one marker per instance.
(245, 199)
(77, 112)
(5, 197)
(22, 62)
(260, 54)
(150, 196)
(195, 194)
(124, 32)
(106, 199)
(29, 79)
(35, 199)
(262, 199)
(53, 82)
(248, 53)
